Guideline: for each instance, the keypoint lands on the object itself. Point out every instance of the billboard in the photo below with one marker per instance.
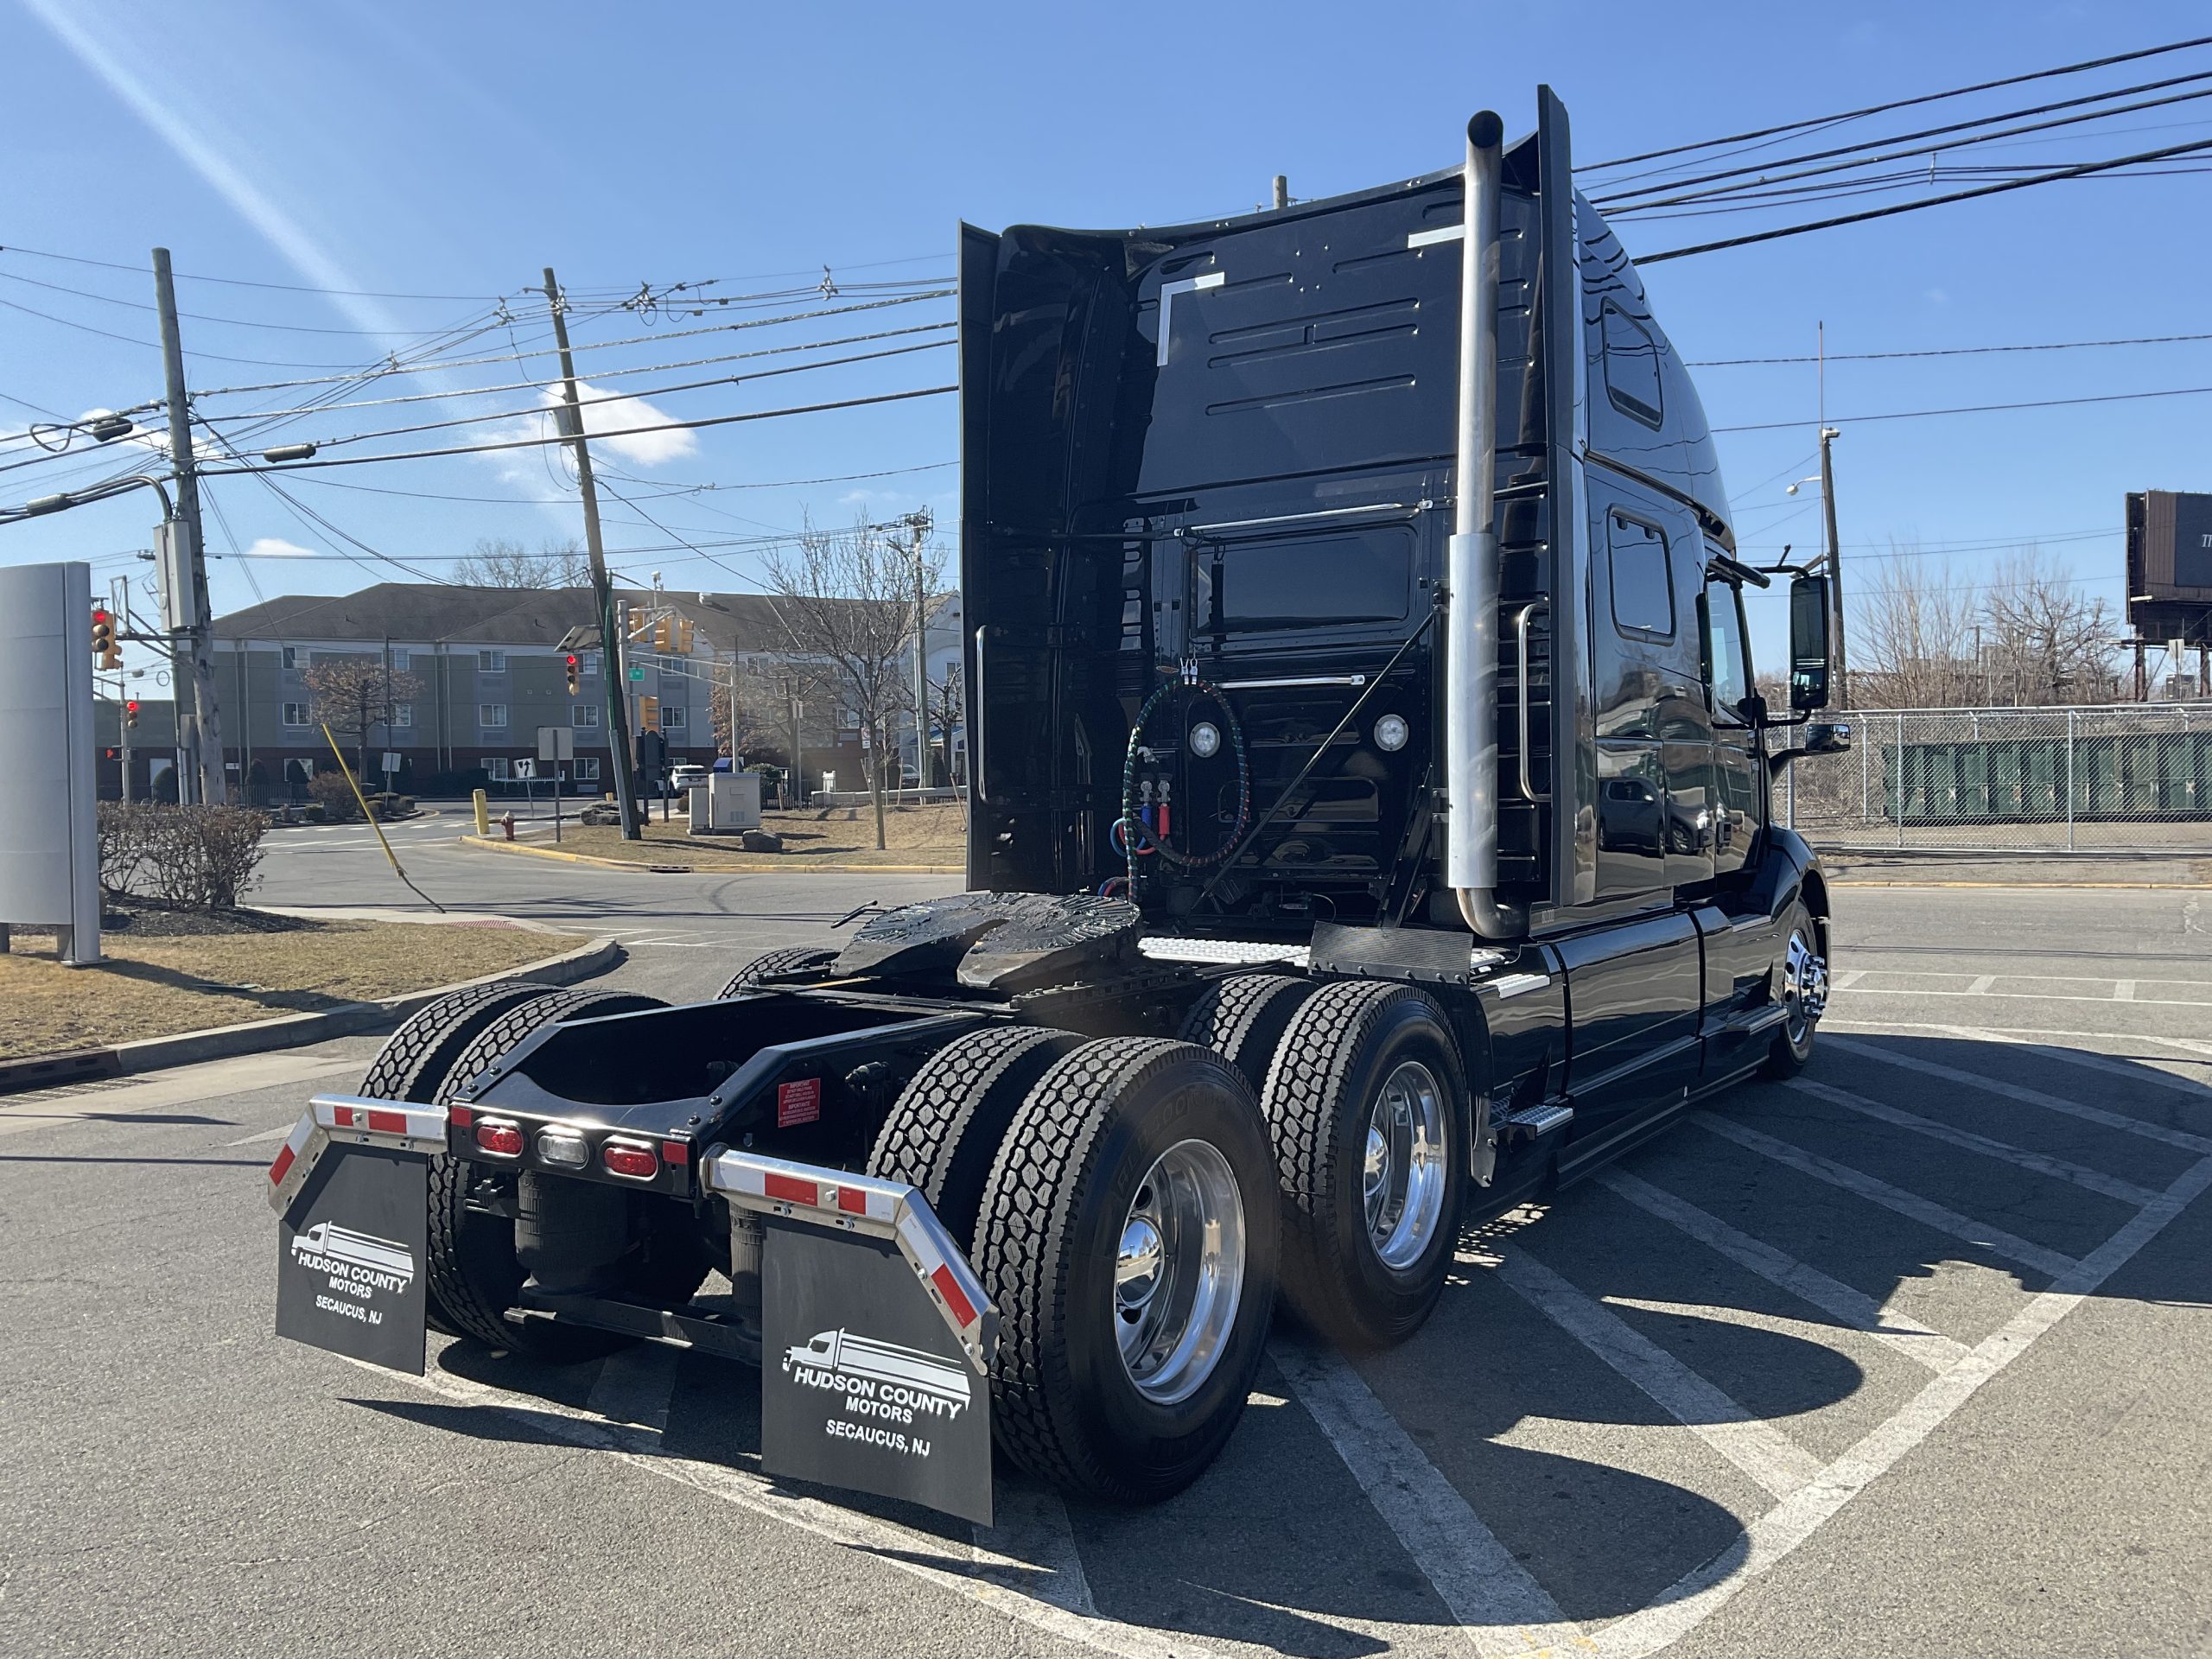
(2170, 565)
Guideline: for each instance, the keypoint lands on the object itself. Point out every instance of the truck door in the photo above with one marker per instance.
(1736, 767)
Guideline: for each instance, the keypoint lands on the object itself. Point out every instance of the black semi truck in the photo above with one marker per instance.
(1369, 832)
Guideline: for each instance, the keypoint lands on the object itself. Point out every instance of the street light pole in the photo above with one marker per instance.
(610, 645)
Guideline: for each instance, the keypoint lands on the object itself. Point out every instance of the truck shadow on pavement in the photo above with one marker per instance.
(1617, 1384)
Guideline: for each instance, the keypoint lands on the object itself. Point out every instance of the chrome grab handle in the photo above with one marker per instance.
(1520, 645)
(975, 725)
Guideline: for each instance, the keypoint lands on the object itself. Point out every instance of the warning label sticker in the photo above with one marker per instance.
(798, 1103)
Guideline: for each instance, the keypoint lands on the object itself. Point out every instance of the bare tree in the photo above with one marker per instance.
(845, 601)
(500, 563)
(945, 707)
(2050, 642)
(1912, 635)
(354, 695)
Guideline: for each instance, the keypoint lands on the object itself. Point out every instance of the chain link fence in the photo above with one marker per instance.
(2129, 777)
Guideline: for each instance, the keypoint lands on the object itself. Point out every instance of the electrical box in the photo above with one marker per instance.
(726, 803)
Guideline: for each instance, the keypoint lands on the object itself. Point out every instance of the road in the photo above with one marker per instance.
(1912, 1353)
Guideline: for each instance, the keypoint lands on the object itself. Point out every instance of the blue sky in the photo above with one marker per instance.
(455, 150)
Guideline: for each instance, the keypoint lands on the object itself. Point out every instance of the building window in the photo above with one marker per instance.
(400, 660)
(402, 714)
(673, 720)
(497, 769)
(492, 662)
(584, 713)
(590, 663)
(291, 657)
(587, 768)
(493, 715)
(295, 714)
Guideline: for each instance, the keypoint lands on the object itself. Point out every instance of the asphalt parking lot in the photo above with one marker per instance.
(1912, 1352)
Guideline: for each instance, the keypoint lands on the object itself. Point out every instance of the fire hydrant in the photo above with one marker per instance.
(508, 823)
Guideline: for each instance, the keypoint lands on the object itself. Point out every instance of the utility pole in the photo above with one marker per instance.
(191, 645)
(610, 640)
(1828, 434)
(919, 523)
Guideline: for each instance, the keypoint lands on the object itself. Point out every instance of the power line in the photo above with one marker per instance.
(689, 489)
(1975, 409)
(2079, 171)
(1948, 351)
(598, 437)
(1909, 103)
(204, 316)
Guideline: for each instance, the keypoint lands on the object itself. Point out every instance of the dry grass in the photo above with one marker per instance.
(157, 986)
(935, 834)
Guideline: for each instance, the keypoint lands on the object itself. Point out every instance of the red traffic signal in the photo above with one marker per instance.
(104, 655)
(574, 670)
(131, 712)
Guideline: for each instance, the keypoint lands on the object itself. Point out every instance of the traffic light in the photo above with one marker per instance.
(664, 632)
(641, 627)
(131, 712)
(574, 673)
(684, 636)
(104, 655)
(649, 714)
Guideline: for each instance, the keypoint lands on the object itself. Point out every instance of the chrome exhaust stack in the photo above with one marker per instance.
(1471, 574)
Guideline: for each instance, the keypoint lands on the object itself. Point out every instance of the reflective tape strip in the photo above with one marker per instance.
(295, 1143)
(296, 1159)
(927, 1246)
(413, 1127)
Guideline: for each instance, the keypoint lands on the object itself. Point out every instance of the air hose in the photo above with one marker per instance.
(1130, 833)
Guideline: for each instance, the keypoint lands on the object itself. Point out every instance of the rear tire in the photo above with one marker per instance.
(414, 1061)
(1242, 1019)
(944, 1133)
(1127, 1237)
(1802, 987)
(474, 1271)
(1367, 1103)
(794, 959)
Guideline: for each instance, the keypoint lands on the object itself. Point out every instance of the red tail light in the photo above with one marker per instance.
(630, 1158)
(500, 1139)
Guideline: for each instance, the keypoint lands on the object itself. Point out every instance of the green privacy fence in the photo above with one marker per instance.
(2135, 777)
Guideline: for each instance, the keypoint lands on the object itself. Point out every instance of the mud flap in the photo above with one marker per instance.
(875, 1338)
(352, 1192)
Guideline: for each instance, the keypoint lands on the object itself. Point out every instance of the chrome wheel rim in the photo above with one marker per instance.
(1804, 986)
(1178, 1271)
(1401, 1180)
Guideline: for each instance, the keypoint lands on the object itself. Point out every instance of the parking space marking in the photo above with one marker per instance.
(1499, 1604)
(2095, 1180)
(1923, 1210)
(902, 1548)
(1853, 1308)
(1982, 983)
(1834, 1029)
(635, 1386)
(1753, 1445)
(1769, 1540)
(2181, 1138)
(2034, 996)
(2136, 1071)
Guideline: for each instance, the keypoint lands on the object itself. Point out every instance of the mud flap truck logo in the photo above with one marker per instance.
(877, 1378)
(363, 1258)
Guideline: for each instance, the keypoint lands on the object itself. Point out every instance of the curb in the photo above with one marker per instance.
(288, 1030)
(710, 869)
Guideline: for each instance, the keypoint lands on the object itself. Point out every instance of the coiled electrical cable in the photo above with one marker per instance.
(1129, 830)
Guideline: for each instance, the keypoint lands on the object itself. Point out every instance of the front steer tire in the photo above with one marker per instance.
(475, 1273)
(1801, 981)
(1079, 1163)
(1353, 1050)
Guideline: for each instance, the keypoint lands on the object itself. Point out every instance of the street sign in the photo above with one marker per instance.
(555, 743)
(637, 675)
(391, 760)
(526, 770)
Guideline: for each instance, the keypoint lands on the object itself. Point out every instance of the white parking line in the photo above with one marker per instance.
(1893, 1027)
(2028, 1096)
(1501, 1608)
(1923, 1210)
(1982, 983)
(2033, 996)
(1832, 1296)
(2095, 1180)
(1769, 1540)
(2141, 1072)
(1756, 1446)
(635, 1386)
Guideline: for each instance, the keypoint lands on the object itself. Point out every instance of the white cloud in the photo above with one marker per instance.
(273, 547)
(602, 414)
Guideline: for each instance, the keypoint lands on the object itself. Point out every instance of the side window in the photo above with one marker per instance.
(1631, 366)
(1727, 665)
(1642, 586)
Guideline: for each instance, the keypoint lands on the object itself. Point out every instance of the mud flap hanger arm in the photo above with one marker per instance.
(350, 1120)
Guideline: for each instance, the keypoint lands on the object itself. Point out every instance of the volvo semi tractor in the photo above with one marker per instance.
(1369, 832)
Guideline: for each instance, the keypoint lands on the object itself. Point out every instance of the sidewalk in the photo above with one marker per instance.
(2027, 870)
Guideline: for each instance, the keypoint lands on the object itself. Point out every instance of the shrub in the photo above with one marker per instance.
(200, 856)
(335, 796)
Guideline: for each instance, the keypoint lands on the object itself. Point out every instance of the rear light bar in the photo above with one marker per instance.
(501, 1140)
(632, 1160)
